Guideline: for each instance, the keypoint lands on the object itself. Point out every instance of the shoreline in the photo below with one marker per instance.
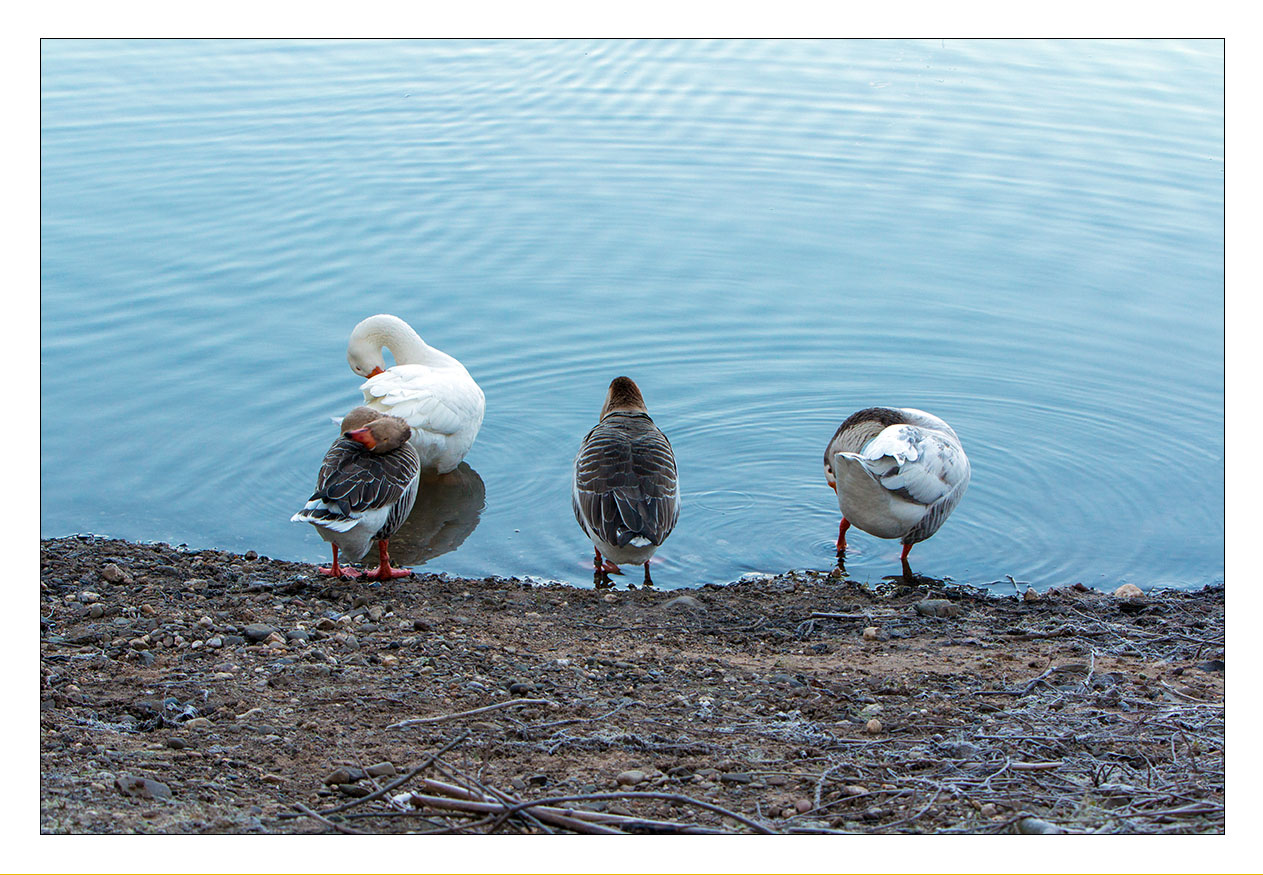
(194, 691)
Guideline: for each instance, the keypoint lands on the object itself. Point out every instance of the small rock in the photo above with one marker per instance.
(1033, 826)
(251, 556)
(1130, 592)
(855, 790)
(251, 714)
(257, 632)
(988, 809)
(521, 687)
(1030, 596)
(298, 635)
(272, 779)
(389, 661)
(736, 778)
(145, 788)
(631, 777)
(872, 633)
(326, 624)
(353, 790)
(803, 806)
(113, 574)
(873, 727)
(96, 612)
(381, 770)
(199, 723)
(421, 626)
(176, 743)
(216, 641)
(937, 608)
(684, 602)
(610, 597)
(344, 775)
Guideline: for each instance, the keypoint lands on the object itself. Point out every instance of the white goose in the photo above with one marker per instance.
(366, 488)
(898, 473)
(426, 388)
(625, 493)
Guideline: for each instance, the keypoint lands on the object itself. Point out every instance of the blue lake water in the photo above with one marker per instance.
(1024, 238)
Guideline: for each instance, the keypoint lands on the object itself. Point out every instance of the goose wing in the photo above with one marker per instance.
(441, 400)
(626, 489)
(918, 464)
(353, 482)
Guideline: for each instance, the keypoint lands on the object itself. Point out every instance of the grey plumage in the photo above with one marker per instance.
(626, 490)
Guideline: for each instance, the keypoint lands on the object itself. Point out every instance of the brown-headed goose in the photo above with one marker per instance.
(898, 473)
(365, 490)
(625, 494)
(426, 388)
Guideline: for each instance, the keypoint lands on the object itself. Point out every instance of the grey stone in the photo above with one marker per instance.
(258, 631)
(144, 788)
(683, 602)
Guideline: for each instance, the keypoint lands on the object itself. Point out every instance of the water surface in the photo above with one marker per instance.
(1024, 238)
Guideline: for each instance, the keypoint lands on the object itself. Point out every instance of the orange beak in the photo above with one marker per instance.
(374, 373)
(363, 436)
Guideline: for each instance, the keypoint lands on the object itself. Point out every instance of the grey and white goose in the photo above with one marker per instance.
(626, 494)
(365, 490)
(898, 473)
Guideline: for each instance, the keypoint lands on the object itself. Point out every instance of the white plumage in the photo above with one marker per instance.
(898, 473)
(427, 388)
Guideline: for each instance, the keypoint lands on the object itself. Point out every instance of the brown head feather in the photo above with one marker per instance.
(624, 394)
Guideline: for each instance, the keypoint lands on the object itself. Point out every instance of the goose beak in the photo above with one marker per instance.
(374, 373)
(363, 436)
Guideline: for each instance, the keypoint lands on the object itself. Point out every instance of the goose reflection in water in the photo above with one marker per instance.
(448, 508)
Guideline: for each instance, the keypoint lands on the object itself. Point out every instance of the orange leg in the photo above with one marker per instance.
(336, 570)
(383, 570)
(903, 557)
(842, 527)
(605, 565)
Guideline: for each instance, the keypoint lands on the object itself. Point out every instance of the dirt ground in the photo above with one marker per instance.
(188, 691)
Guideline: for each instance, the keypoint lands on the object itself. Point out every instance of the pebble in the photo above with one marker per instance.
(803, 806)
(344, 775)
(1128, 591)
(631, 777)
(353, 790)
(199, 723)
(215, 642)
(258, 632)
(873, 727)
(1030, 596)
(610, 597)
(736, 778)
(1033, 826)
(389, 661)
(872, 633)
(113, 574)
(326, 624)
(937, 608)
(988, 809)
(521, 687)
(381, 770)
(145, 788)
(96, 612)
(684, 602)
(855, 790)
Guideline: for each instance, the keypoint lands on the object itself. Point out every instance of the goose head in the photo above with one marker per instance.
(364, 349)
(624, 395)
(385, 434)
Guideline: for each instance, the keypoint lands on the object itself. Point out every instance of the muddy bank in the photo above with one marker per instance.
(202, 692)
